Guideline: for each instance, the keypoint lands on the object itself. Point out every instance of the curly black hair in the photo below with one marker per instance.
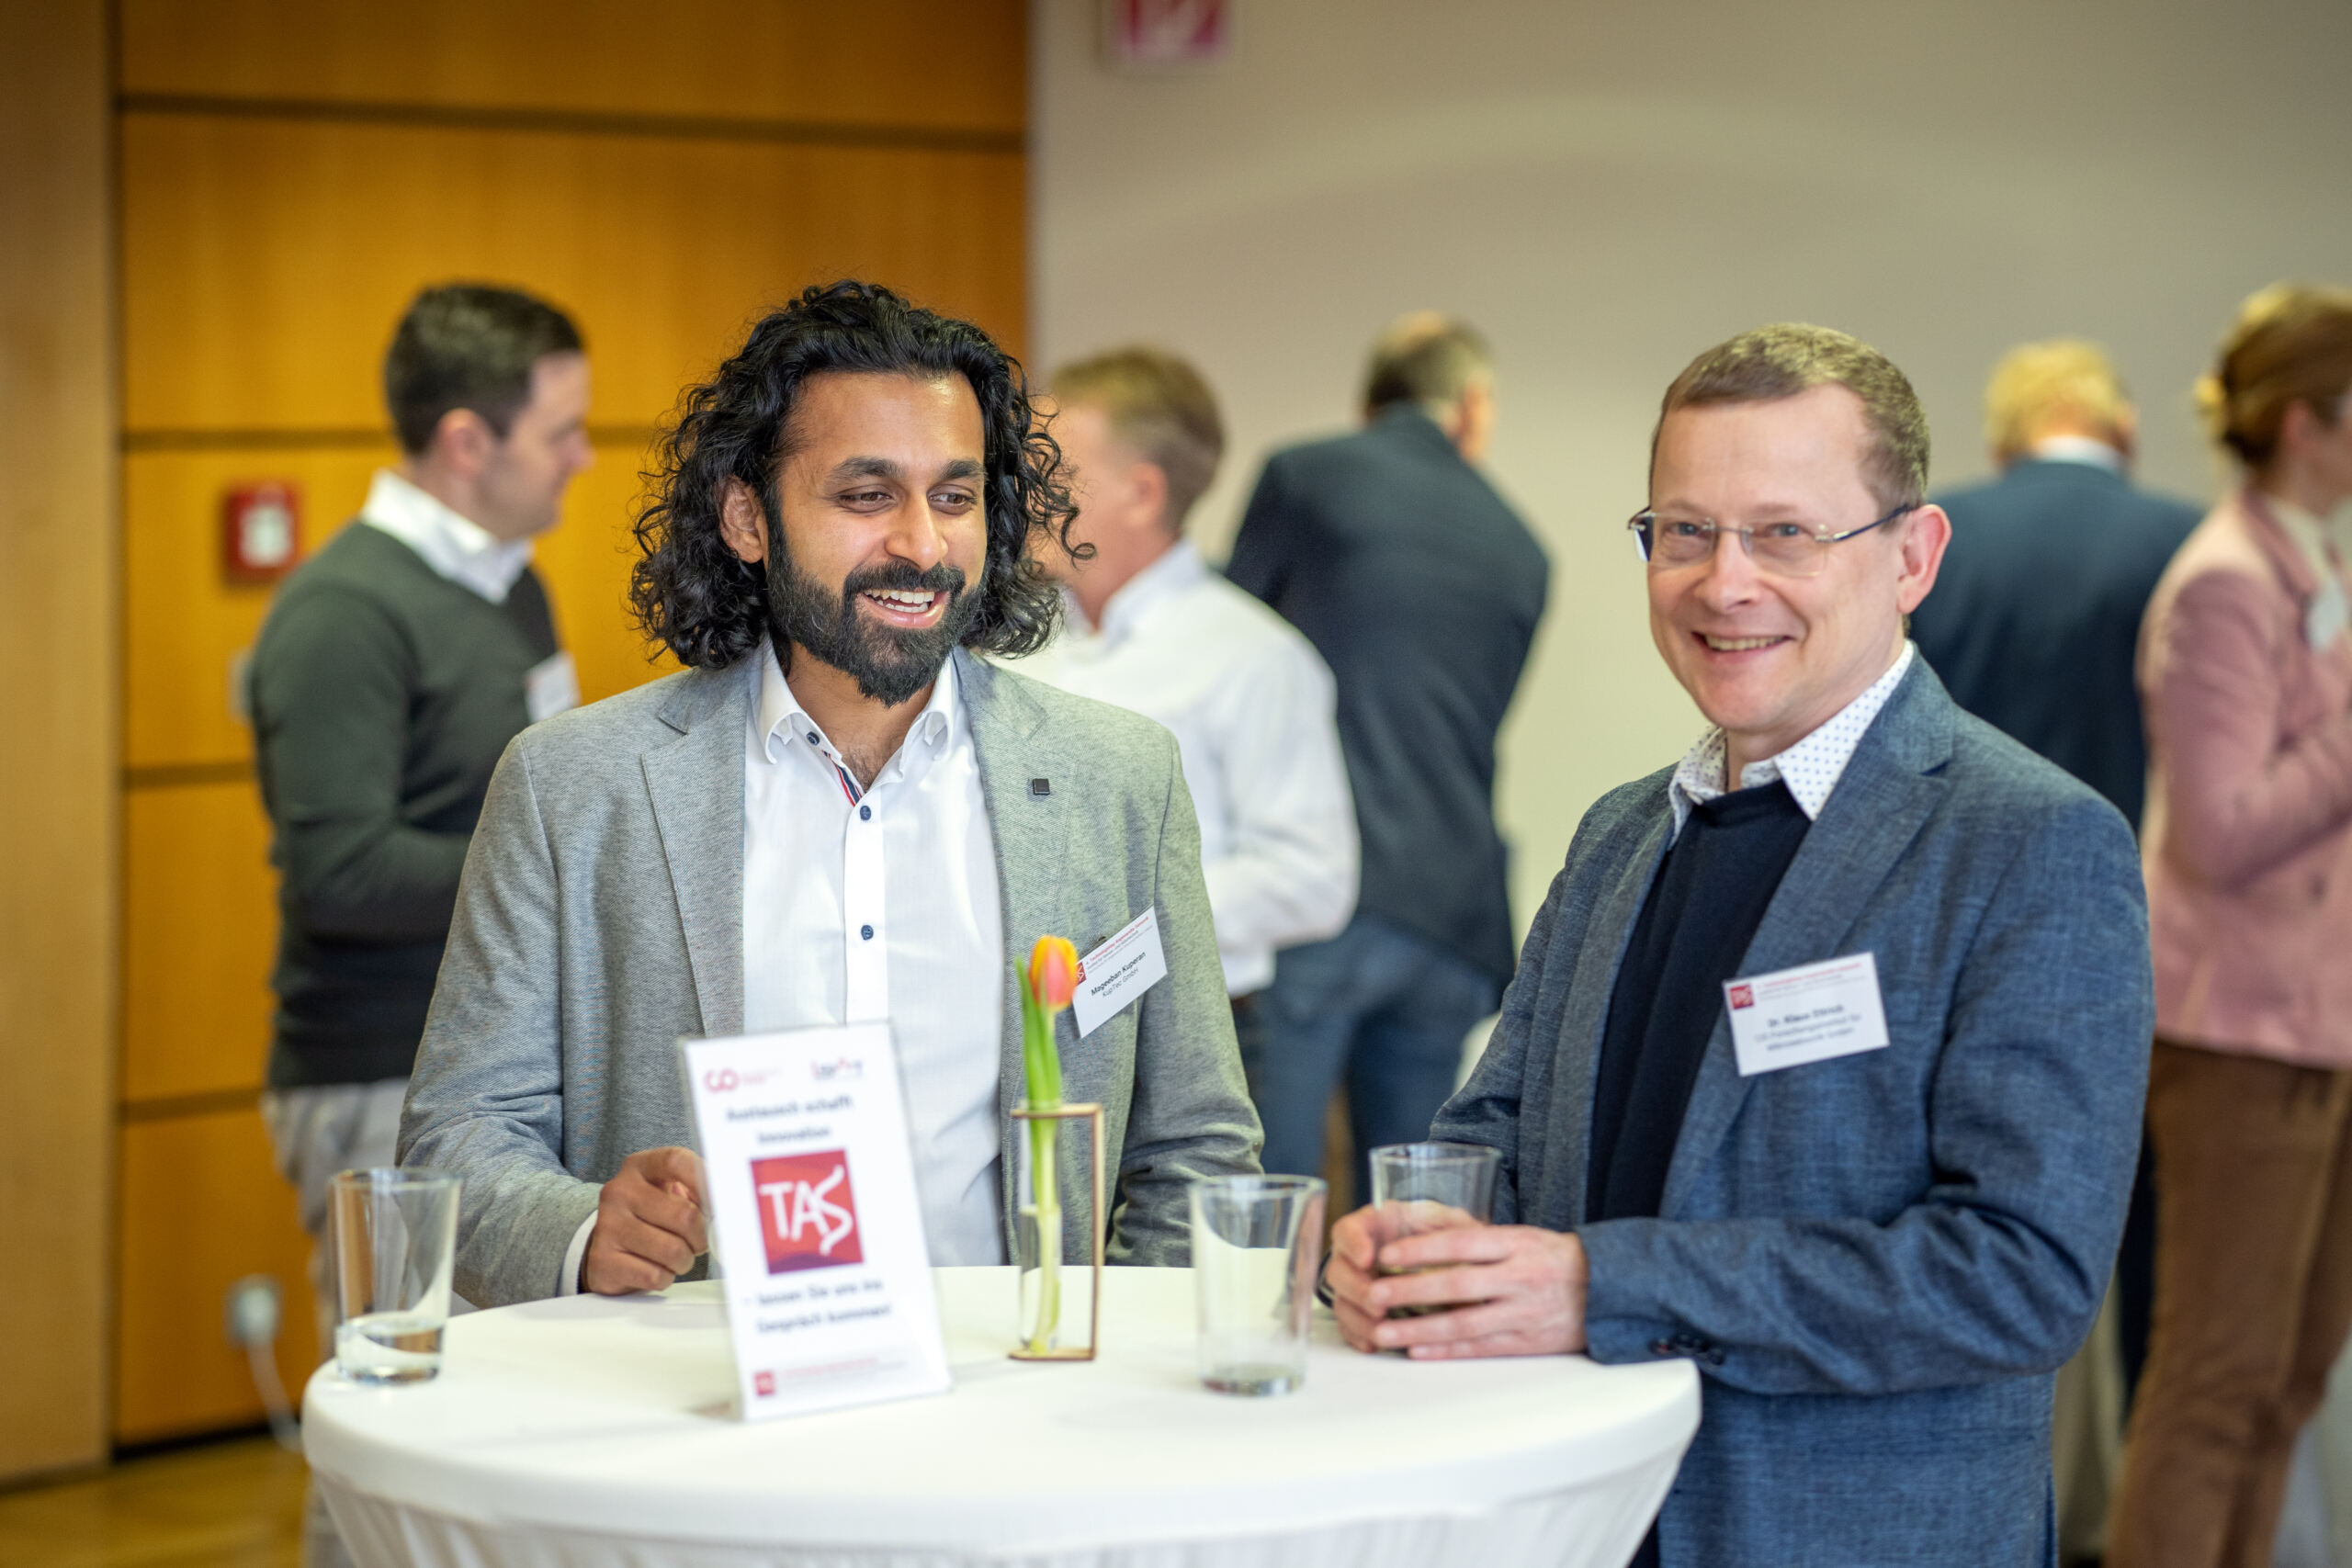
(709, 606)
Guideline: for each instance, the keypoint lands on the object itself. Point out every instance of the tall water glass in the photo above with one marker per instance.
(1256, 1243)
(1424, 1187)
(395, 1240)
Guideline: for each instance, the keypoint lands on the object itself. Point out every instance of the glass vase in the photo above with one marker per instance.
(1057, 1248)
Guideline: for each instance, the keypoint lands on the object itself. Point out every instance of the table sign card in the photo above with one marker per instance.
(814, 1221)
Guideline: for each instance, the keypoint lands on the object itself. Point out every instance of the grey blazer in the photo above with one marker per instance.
(600, 920)
(1878, 1261)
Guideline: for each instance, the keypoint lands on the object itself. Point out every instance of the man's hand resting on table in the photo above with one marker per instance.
(648, 1225)
(1524, 1288)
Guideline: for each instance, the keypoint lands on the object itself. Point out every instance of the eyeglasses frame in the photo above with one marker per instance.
(1746, 532)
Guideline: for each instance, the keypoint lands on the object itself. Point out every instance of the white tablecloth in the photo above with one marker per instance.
(591, 1432)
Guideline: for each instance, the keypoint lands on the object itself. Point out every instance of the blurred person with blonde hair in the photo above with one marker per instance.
(2034, 620)
(1153, 628)
(2245, 672)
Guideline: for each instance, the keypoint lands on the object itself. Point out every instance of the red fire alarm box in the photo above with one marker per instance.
(261, 531)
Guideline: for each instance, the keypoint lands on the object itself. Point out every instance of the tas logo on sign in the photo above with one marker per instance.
(763, 1384)
(807, 1217)
(1743, 996)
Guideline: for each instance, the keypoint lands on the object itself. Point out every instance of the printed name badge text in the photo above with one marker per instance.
(1811, 1013)
(1118, 972)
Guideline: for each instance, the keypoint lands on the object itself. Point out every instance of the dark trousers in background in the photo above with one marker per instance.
(2254, 1296)
(1379, 1008)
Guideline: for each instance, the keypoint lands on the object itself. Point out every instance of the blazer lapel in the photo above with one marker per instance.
(695, 786)
(1560, 1199)
(1881, 800)
(1028, 831)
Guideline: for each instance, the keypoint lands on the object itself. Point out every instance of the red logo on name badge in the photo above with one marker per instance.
(807, 1216)
(763, 1384)
(1743, 996)
(1080, 978)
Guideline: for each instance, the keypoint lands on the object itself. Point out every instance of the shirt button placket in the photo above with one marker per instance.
(864, 873)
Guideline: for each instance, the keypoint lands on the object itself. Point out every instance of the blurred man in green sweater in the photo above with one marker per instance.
(393, 669)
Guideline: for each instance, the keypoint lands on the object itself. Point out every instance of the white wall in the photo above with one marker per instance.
(1608, 188)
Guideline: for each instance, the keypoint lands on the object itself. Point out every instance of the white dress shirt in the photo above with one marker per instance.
(882, 903)
(1251, 706)
(458, 549)
(1811, 768)
(2083, 449)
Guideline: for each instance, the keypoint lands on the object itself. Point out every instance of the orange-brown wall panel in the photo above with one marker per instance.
(266, 261)
(183, 620)
(200, 934)
(59, 598)
(960, 63)
(186, 622)
(202, 1206)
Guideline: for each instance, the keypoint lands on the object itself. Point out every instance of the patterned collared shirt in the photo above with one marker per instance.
(1811, 768)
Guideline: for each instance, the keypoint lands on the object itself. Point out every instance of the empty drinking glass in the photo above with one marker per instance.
(1256, 1243)
(394, 1238)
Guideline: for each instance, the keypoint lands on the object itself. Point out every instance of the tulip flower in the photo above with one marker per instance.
(1046, 986)
(1053, 972)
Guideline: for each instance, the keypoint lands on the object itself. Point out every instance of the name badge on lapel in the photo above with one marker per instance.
(1810, 1013)
(1118, 972)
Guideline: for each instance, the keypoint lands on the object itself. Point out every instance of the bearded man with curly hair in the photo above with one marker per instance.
(838, 813)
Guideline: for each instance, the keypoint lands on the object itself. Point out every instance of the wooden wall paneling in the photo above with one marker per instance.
(202, 1206)
(936, 63)
(58, 791)
(199, 935)
(185, 624)
(266, 262)
(183, 620)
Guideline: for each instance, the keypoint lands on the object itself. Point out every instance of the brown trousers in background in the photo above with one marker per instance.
(2254, 1296)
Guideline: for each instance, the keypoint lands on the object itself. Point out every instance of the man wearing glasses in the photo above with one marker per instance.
(1824, 1064)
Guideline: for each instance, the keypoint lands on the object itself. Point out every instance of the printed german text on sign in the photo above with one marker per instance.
(815, 1225)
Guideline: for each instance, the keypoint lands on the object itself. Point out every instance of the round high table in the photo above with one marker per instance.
(594, 1432)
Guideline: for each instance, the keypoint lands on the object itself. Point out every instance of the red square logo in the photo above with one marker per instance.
(1743, 996)
(763, 1384)
(807, 1216)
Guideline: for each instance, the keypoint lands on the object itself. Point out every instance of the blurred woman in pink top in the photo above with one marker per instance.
(2245, 678)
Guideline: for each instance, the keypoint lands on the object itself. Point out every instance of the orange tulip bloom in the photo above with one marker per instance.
(1053, 972)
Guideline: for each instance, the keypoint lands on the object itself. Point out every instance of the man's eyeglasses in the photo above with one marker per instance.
(1785, 550)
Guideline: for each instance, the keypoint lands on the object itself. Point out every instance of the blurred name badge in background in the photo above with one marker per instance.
(814, 1221)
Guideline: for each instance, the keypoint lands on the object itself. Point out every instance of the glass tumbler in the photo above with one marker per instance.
(1423, 1187)
(1257, 1241)
(394, 1238)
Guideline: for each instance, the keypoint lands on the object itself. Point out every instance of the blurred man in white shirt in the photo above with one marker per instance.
(1154, 629)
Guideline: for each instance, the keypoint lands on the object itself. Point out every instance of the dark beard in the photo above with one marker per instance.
(889, 664)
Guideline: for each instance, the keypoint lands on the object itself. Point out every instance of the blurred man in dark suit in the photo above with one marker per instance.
(2034, 622)
(1421, 589)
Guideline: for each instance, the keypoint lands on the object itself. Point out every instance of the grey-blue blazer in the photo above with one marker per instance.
(1878, 1262)
(600, 919)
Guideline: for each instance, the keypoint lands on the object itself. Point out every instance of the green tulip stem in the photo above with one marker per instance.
(1042, 1069)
